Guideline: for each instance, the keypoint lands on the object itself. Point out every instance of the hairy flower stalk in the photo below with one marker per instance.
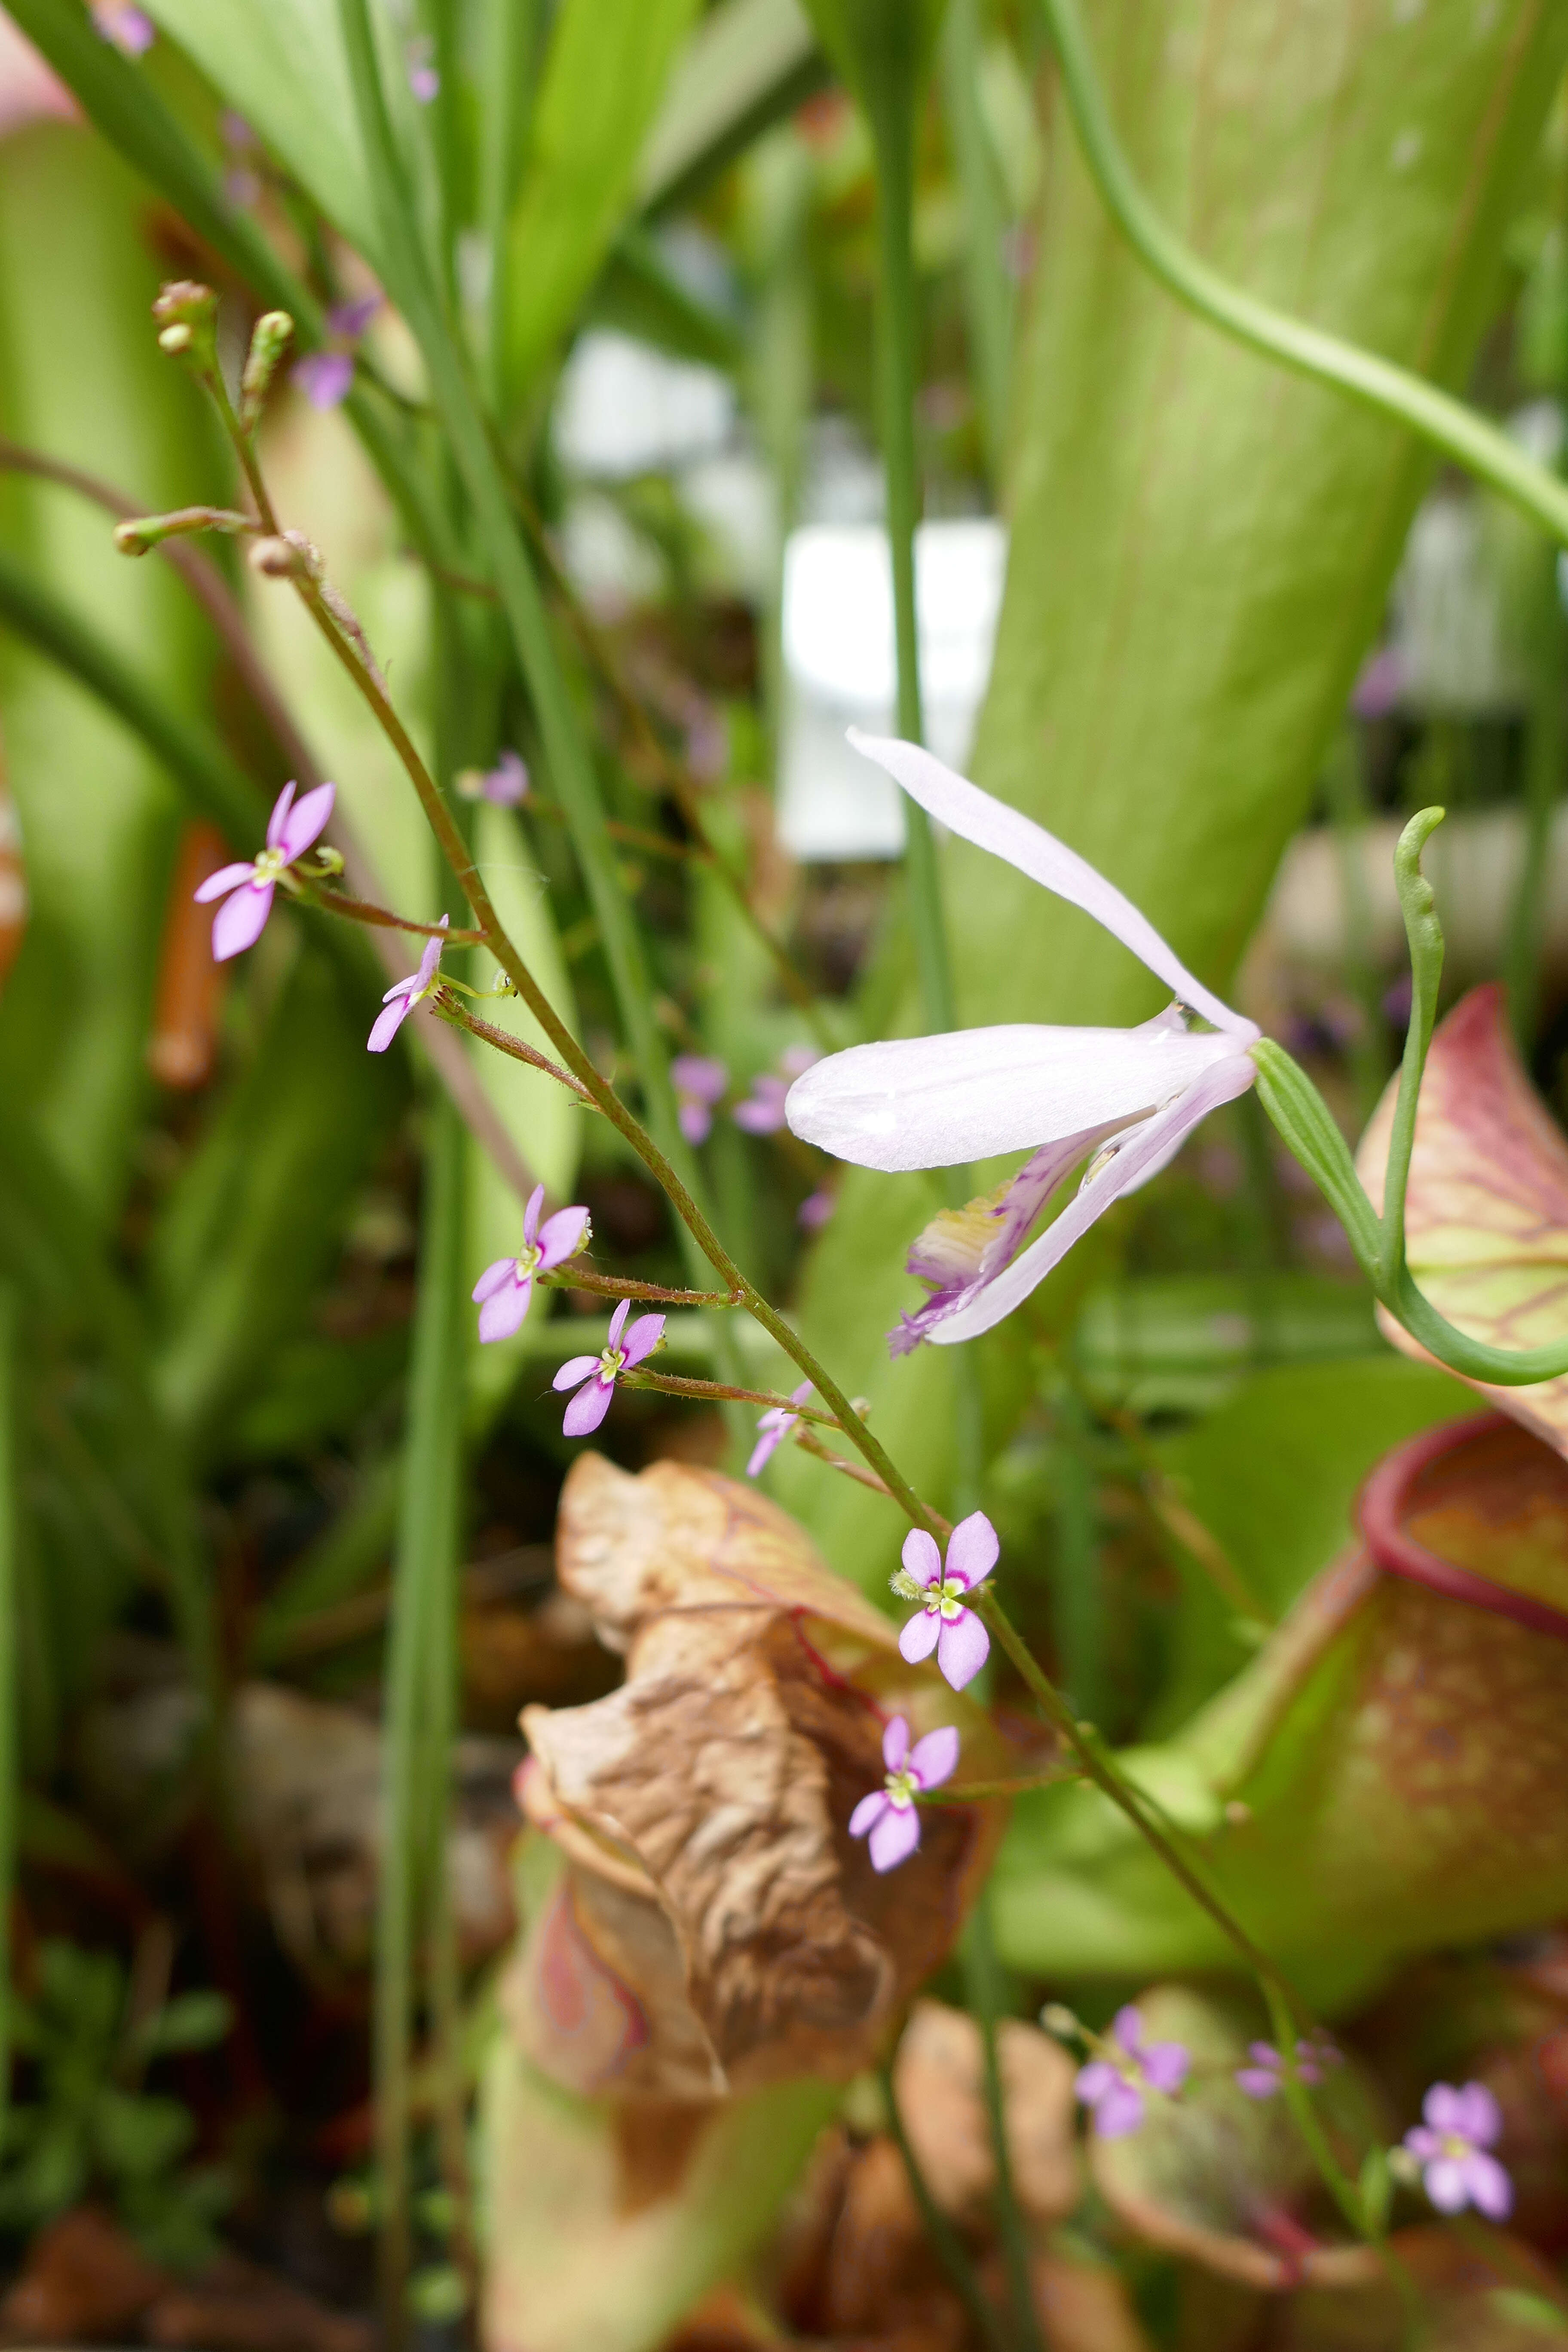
(1129, 1097)
(246, 887)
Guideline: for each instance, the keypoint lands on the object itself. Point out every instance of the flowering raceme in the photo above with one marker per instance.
(504, 1292)
(1129, 1097)
(247, 887)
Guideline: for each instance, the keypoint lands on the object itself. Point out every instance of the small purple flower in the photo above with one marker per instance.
(815, 1211)
(1114, 2087)
(594, 1377)
(326, 378)
(503, 1291)
(773, 1429)
(404, 995)
(700, 1082)
(423, 80)
(944, 1623)
(1451, 2147)
(507, 782)
(130, 28)
(889, 1813)
(1380, 687)
(763, 1112)
(1267, 2072)
(246, 887)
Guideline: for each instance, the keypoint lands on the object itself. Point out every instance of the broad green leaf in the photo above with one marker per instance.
(1201, 546)
(880, 47)
(1273, 1476)
(82, 379)
(281, 63)
(588, 130)
(749, 63)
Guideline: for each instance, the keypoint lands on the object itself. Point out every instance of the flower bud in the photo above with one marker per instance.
(186, 312)
(271, 338)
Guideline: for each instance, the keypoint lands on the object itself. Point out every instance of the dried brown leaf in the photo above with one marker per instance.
(715, 1784)
(939, 2079)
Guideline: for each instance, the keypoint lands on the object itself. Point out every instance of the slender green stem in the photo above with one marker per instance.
(572, 1277)
(982, 1982)
(945, 2241)
(1087, 1748)
(1446, 423)
(10, 1757)
(417, 1714)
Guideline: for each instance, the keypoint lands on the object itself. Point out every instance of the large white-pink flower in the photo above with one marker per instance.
(1125, 1100)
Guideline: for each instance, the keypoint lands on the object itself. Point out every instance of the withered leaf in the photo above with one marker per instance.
(717, 1784)
(1486, 1208)
(940, 2083)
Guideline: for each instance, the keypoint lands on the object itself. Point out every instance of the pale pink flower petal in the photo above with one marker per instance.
(279, 816)
(642, 1339)
(962, 1647)
(562, 1236)
(491, 1279)
(1118, 2111)
(1491, 2190)
(1165, 2064)
(921, 1556)
(1446, 2184)
(574, 1371)
(895, 1742)
(1006, 833)
(306, 820)
(227, 878)
(506, 1311)
(867, 1813)
(933, 1758)
(894, 1837)
(388, 1024)
(241, 920)
(973, 1549)
(920, 1637)
(588, 1408)
(326, 378)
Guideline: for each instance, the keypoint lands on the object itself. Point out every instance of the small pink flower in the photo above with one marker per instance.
(1451, 2147)
(246, 888)
(404, 995)
(503, 1291)
(423, 80)
(1267, 2072)
(326, 378)
(945, 1623)
(594, 1377)
(1113, 2088)
(507, 782)
(130, 28)
(700, 1082)
(763, 1112)
(815, 1211)
(773, 1429)
(889, 1813)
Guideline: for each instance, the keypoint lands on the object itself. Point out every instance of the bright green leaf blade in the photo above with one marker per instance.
(281, 64)
(749, 63)
(588, 131)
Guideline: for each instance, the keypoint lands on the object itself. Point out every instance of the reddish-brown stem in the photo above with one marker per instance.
(674, 1384)
(620, 1286)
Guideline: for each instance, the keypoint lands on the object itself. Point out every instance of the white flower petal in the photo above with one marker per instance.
(942, 1102)
(992, 825)
(1156, 1143)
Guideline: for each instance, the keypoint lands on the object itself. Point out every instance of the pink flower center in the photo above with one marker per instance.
(269, 866)
(901, 1786)
(945, 1599)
